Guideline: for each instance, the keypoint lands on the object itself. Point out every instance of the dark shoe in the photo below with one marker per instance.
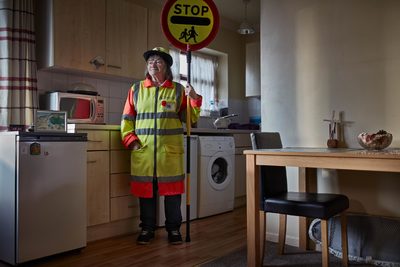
(175, 237)
(144, 237)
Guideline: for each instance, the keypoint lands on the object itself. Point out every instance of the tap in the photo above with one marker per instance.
(223, 122)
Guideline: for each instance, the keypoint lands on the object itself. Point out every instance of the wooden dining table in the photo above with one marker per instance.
(308, 160)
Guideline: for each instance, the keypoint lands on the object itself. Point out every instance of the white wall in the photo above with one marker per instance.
(233, 44)
(343, 55)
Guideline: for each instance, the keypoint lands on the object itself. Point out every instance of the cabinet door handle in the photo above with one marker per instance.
(97, 61)
(114, 66)
(91, 161)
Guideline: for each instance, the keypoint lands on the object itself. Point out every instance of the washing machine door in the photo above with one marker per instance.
(219, 172)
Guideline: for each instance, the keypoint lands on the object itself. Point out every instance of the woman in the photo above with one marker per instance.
(152, 128)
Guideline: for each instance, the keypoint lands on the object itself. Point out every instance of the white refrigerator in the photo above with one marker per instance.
(42, 194)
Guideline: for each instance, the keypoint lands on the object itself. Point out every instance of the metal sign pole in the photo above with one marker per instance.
(189, 29)
(188, 126)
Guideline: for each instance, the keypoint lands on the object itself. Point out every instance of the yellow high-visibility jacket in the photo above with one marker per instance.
(153, 116)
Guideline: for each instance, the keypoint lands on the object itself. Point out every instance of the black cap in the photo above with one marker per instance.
(159, 51)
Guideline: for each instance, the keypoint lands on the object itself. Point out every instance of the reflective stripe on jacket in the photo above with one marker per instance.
(153, 116)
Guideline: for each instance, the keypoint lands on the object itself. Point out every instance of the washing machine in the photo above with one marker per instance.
(216, 184)
(193, 185)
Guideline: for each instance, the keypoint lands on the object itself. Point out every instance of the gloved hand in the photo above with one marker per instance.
(135, 145)
(191, 92)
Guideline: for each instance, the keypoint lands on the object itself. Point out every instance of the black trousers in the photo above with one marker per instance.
(148, 211)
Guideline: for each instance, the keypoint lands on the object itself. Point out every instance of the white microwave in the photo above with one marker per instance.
(80, 108)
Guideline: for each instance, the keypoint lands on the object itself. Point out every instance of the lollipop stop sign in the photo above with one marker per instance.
(190, 23)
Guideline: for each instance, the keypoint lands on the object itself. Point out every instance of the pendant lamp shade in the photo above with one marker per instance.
(245, 26)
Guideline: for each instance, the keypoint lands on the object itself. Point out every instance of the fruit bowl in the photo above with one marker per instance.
(375, 141)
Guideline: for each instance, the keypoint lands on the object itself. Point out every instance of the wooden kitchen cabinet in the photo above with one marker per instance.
(123, 204)
(70, 33)
(120, 184)
(124, 207)
(120, 161)
(126, 38)
(120, 158)
(98, 189)
(111, 208)
(97, 140)
(98, 169)
(156, 36)
(242, 142)
(100, 36)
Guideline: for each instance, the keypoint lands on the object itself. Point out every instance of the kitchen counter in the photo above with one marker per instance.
(110, 207)
(220, 131)
(73, 127)
(194, 131)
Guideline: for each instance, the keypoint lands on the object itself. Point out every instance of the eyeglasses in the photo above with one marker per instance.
(156, 61)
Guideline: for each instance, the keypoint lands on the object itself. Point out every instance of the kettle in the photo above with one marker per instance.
(223, 122)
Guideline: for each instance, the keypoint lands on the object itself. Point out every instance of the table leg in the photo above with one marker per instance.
(254, 255)
(307, 183)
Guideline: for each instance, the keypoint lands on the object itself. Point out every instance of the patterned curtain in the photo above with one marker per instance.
(175, 68)
(18, 90)
(203, 76)
(204, 79)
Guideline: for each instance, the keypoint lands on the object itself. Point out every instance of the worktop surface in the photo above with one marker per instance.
(194, 131)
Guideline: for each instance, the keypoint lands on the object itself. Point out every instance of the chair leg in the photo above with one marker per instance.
(324, 242)
(262, 234)
(282, 233)
(343, 223)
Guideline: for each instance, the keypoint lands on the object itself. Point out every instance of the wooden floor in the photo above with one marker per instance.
(211, 238)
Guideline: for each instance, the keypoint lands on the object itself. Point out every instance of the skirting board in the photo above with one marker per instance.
(115, 228)
(290, 240)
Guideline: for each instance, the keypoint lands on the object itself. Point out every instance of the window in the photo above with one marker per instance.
(203, 76)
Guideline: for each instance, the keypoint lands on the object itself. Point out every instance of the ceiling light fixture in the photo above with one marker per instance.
(245, 27)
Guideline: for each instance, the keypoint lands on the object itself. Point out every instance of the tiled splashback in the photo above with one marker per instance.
(115, 92)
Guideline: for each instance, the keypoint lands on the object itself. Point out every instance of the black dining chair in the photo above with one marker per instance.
(275, 198)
